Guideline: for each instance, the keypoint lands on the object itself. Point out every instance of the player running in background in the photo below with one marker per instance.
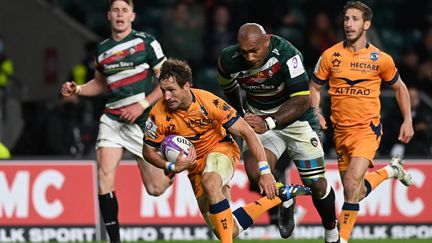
(207, 121)
(126, 63)
(354, 70)
(270, 70)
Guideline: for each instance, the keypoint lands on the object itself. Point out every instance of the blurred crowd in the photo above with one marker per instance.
(197, 30)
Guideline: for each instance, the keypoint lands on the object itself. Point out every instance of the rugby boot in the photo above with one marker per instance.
(286, 221)
(287, 192)
(401, 174)
(332, 235)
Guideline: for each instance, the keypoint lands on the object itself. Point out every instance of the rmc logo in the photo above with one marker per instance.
(18, 195)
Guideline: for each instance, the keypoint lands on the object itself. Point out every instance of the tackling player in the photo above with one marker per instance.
(270, 70)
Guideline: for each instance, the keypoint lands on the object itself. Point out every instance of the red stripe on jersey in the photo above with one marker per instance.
(130, 80)
(261, 75)
(122, 53)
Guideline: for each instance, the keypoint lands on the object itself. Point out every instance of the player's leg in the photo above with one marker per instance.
(393, 170)
(246, 215)
(108, 160)
(109, 152)
(153, 178)
(218, 171)
(323, 195)
(306, 150)
(353, 184)
(356, 150)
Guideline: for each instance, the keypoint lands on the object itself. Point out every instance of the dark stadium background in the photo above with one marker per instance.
(48, 135)
(47, 39)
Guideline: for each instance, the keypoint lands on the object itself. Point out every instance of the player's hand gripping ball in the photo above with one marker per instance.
(172, 145)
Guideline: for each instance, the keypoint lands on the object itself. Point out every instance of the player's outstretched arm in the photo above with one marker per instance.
(267, 181)
(93, 87)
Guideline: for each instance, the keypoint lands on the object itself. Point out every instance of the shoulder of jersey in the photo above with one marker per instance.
(376, 49)
(282, 47)
(103, 42)
(159, 105)
(203, 93)
(230, 52)
(229, 58)
(335, 48)
(143, 35)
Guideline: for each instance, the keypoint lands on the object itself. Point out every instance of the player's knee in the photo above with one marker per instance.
(318, 187)
(155, 190)
(350, 184)
(211, 183)
(106, 181)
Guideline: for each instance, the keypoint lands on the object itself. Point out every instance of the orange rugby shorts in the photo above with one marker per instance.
(356, 142)
(229, 149)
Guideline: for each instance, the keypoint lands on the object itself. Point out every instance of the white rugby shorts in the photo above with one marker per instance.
(298, 139)
(115, 134)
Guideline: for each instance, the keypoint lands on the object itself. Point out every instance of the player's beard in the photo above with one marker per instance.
(354, 39)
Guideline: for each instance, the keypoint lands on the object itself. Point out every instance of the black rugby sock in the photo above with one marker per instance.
(326, 209)
(109, 209)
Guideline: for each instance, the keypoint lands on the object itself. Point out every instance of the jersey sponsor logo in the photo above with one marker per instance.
(352, 91)
(201, 122)
(295, 66)
(118, 66)
(353, 82)
(137, 43)
(365, 66)
(260, 76)
(259, 87)
(374, 56)
(336, 63)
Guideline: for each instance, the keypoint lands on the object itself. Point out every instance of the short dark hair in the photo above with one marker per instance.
(129, 2)
(177, 69)
(365, 9)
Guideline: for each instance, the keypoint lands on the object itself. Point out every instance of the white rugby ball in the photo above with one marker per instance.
(172, 145)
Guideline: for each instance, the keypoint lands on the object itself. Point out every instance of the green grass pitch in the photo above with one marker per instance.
(309, 241)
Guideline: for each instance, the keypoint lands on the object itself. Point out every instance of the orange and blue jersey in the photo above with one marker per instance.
(205, 123)
(355, 83)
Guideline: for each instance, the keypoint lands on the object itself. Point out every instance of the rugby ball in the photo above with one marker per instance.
(172, 145)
